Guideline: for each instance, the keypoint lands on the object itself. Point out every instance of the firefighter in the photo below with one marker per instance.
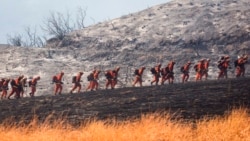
(57, 79)
(138, 76)
(5, 88)
(108, 75)
(223, 65)
(90, 78)
(185, 71)
(16, 87)
(199, 68)
(170, 72)
(23, 85)
(240, 65)
(206, 66)
(33, 84)
(115, 77)
(156, 71)
(77, 82)
(95, 83)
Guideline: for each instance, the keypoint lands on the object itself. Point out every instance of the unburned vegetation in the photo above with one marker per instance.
(152, 127)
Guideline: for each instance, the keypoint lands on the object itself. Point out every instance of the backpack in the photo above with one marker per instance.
(74, 79)
(182, 69)
(163, 71)
(235, 63)
(136, 72)
(12, 82)
(90, 77)
(54, 79)
(220, 66)
(196, 67)
(29, 83)
(108, 75)
(153, 71)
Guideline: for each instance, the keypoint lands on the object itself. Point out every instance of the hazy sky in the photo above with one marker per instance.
(15, 15)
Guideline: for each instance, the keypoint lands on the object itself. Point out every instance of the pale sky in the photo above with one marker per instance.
(15, 15)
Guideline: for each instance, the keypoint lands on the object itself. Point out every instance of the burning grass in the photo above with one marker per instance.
(152, 127)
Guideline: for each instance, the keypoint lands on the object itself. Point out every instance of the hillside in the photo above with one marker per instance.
(186, 101)
(180, 30)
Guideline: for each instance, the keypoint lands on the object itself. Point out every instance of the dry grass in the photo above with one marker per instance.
(153, 127)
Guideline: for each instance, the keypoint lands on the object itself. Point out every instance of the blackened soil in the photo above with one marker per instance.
(187, 101)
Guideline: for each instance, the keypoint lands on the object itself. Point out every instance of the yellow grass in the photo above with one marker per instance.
(152, 127)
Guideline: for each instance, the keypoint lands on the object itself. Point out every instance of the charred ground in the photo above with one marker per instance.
(187, 101)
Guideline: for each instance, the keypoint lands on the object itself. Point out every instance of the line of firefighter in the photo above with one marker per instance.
(111, 81)
(201, 69)
(165, 73)
(18, 86)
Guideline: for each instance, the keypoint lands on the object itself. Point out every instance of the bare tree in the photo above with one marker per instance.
(80, 18)
(58, 25)
(15, 40)
(29, 39)
(33, 40)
